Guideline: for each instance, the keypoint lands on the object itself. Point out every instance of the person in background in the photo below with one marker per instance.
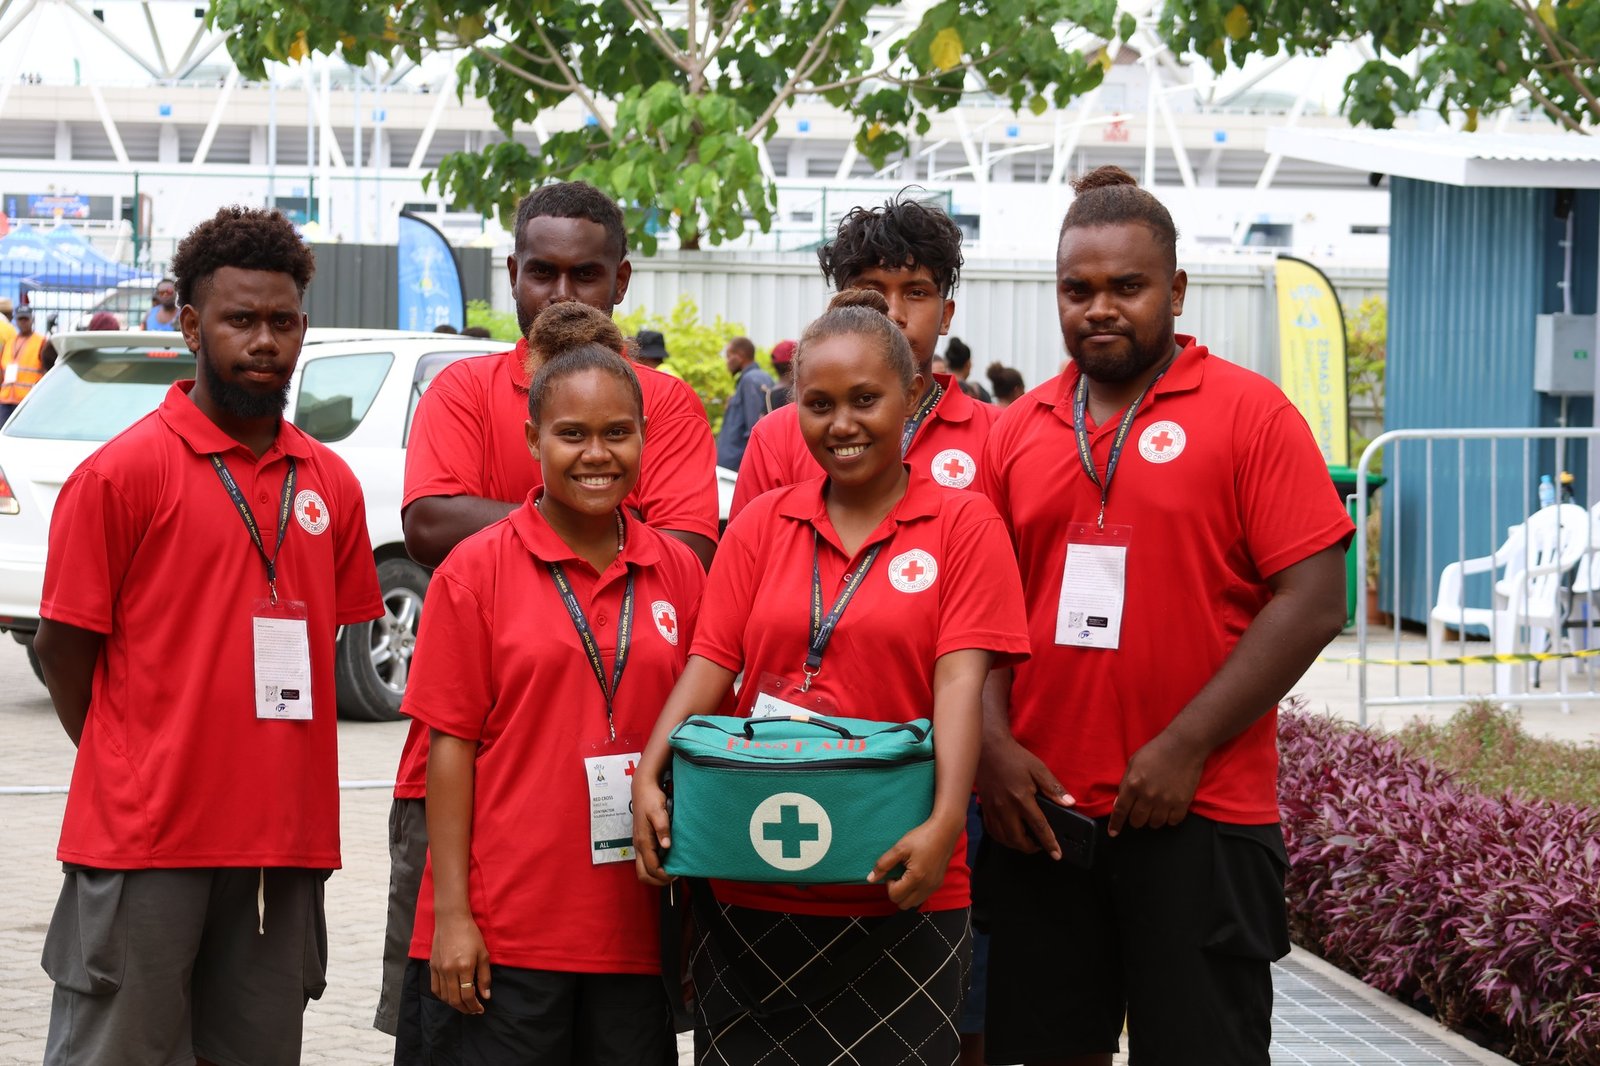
(163, 316)
(446, 328)
(7, 330)
(1008, 386)
(1182, 558)
(650, 349)
(21, 362)
(782, 393)
(959, 358)
(104, 320)
(476, 331)
(747, 404)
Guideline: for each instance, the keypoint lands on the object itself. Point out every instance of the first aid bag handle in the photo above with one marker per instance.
(750, 726)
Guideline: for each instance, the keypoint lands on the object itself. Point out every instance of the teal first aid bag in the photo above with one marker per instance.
(795, 800)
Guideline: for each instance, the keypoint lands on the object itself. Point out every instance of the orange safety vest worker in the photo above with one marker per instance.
(21, 363)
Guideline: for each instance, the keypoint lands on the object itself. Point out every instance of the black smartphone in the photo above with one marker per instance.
(1075, 832)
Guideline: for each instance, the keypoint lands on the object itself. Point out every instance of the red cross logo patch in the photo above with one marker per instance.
(954, 468)
(310, 511)
(665, 616)
(913, 571)
(1162, 442)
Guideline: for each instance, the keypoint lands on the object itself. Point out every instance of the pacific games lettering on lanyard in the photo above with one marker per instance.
(282, 648)
(1094, 577)
(607, 766)
(782, 697)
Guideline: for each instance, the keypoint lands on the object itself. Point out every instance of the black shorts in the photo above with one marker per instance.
(542, 1016)
(1174, 929)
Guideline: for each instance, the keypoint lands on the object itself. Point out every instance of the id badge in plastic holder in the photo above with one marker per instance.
(780, 697)
(282, 653)
(608, 768)
(1094, 585)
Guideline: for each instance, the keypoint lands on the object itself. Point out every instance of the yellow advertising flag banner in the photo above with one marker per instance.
(1311, 354)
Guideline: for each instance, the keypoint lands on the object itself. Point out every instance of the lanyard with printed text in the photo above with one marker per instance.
(822, 628)
(591, 648)
(1080, 404)
(914, 423)
(284, 511)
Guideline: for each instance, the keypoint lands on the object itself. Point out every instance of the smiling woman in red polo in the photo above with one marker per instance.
(936, 600)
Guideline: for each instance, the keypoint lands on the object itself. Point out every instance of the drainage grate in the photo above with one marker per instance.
(1315, 1022)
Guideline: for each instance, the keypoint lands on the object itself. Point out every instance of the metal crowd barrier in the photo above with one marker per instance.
(1493, 476)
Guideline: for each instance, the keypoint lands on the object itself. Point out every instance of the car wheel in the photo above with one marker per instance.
(374, 658)
(33, 661)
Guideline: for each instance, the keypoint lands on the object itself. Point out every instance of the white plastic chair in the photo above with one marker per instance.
(1529, 606)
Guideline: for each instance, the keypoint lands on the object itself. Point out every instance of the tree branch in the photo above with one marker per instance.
(573, 83)
(802, 70)
(507, 65)
(1555, 52)
(883, 74)
(736, 10)
(657, 33)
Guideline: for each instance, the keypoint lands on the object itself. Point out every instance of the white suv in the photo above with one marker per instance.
(355, 390)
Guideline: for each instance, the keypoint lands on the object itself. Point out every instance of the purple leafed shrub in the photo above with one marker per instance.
(1485, 909)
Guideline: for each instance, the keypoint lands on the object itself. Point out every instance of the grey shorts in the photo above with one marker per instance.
(155, 967)
(408, 851)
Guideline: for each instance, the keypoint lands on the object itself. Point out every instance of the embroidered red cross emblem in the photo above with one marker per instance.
(1162, 442)
(955, 468)
(912, 570)
(629, 771)
(312, 511)
(667, 622)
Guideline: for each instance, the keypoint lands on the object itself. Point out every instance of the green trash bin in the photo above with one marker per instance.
(1344, 479)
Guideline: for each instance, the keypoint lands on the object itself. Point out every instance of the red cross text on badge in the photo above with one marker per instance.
(313, 512)
(667, 622)
(912, 570)
(1162, 442)
(955, 468)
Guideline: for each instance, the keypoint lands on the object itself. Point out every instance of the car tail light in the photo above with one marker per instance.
(8, 499)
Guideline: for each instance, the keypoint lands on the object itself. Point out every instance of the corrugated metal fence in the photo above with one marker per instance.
(1005, 311)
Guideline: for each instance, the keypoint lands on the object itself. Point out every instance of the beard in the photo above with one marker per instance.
(234, 399)
(1110, 368)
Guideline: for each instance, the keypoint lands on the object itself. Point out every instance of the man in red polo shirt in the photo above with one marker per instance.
(203, 816)
(1181, 550)
(468, 466)
(911, 253)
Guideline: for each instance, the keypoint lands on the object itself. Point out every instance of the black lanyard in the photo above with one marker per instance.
(284, 510)
(591, 649)
(914, 423)
(822, 628)
(1080, 403)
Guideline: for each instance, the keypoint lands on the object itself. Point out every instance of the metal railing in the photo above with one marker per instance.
(1495, 475)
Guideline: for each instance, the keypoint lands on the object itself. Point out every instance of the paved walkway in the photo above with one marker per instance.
(1321, 1016)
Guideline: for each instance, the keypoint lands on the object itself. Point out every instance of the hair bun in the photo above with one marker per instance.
(562, 327)
(869, 298)
(1101, 178)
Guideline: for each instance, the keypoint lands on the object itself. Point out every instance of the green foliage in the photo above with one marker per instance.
(502, 325)
(694, 350)
(1472, 57)
(1485, 745)
(1366, 332)
(680, 98)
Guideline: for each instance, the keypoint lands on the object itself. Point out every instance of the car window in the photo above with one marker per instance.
(95, 393)
(428, 368)
(336, 392)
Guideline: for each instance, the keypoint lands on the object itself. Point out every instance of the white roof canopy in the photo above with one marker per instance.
(1539, 161)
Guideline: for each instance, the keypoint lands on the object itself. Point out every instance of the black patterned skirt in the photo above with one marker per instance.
(900, 1009)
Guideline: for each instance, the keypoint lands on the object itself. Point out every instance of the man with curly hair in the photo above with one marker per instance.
(911, 253)
(203, 817)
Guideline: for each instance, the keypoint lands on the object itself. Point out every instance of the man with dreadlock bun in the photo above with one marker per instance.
(1182, 557)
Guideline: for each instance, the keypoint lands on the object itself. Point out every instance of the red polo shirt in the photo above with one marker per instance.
(943, 582)
(174, 768)
(1224, 487)
(947, 447)
(467, 440)
(499, 662)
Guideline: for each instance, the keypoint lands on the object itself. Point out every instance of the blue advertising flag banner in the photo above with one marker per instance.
(430, 278)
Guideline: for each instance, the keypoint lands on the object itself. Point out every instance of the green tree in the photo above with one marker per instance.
(679, 96)
(1460, 57)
